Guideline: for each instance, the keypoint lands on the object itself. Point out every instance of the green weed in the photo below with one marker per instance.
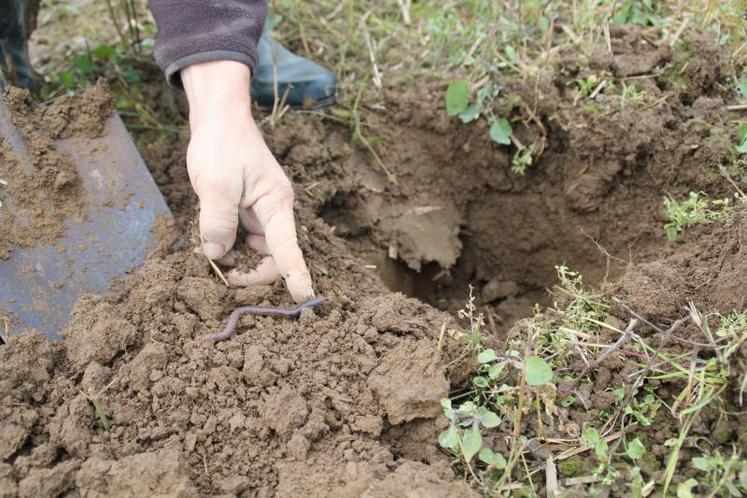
(514, 397)
(522, 160)
(741, 146)
(692, 211)
(95, 400)
(587, 85)
(631, 94)
(718, 474)
(458, 104)
(641, 12)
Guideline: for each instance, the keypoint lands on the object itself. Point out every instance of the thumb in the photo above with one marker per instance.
(219, 218)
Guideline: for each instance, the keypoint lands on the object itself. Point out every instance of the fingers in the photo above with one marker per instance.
(250, 221)
(258, 243)
(229, 259)
(275, 212)
(219, 219)
(265, 273)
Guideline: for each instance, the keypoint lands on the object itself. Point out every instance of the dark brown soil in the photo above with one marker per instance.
(345, 401)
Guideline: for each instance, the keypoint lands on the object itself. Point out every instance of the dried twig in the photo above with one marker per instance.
(377, 80)
(627, 334)
(404, 6)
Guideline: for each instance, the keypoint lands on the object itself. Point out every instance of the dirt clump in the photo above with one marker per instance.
(98, 335)
(391, 381)
(157, 473)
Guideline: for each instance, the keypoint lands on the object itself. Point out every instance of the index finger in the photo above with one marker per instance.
(276, 214)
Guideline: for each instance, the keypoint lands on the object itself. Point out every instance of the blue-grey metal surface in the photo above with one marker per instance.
(39, 285)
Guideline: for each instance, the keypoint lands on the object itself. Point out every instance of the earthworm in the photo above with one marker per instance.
(233, 319)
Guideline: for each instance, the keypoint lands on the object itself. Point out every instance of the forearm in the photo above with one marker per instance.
(196, 31)
(217, 91)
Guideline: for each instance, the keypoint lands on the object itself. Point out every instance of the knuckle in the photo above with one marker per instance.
(217, 221)
(224, 187)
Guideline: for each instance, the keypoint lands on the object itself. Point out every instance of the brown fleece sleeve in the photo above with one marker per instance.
(193, 31)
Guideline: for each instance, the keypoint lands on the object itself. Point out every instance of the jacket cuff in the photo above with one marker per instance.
(172, 70)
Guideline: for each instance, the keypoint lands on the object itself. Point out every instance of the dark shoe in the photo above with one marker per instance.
(308, 85)
(16, 23)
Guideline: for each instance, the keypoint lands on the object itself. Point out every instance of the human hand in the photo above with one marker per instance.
(237, 179)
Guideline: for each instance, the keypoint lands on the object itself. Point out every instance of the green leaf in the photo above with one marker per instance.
(131, 75)
(495, 370)
(449, 438)
(471, 442)
(480, 381)
(487, 456)
(446, 403)
(487, 356)
(467, 408)
(500, 131)
(103, 51)
(340, 112)
(567, 401)
(685, 489)
(590, 437)
(457, 97)
(376, 140)
(101, 413)
(742, 147)
(67, 79)
(83, 63)
(537, 372)
(511, 53)
(636, 449)
(470, 114)
(487, 418)
(701, 463)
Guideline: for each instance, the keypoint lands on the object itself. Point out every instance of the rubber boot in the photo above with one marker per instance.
(17, 21)
(301, 83)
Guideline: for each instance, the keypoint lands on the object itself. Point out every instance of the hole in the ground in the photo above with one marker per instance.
(510, 246)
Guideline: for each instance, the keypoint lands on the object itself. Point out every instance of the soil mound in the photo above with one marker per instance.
(345, 400)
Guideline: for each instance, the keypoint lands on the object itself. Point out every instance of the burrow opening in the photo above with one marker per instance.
(510, 248)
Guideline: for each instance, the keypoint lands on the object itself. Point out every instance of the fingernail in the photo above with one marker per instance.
(299, 285)
(213, 250)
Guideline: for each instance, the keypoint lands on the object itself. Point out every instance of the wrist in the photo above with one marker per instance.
(217, 90)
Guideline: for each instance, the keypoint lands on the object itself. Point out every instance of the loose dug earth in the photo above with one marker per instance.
(345, 401)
